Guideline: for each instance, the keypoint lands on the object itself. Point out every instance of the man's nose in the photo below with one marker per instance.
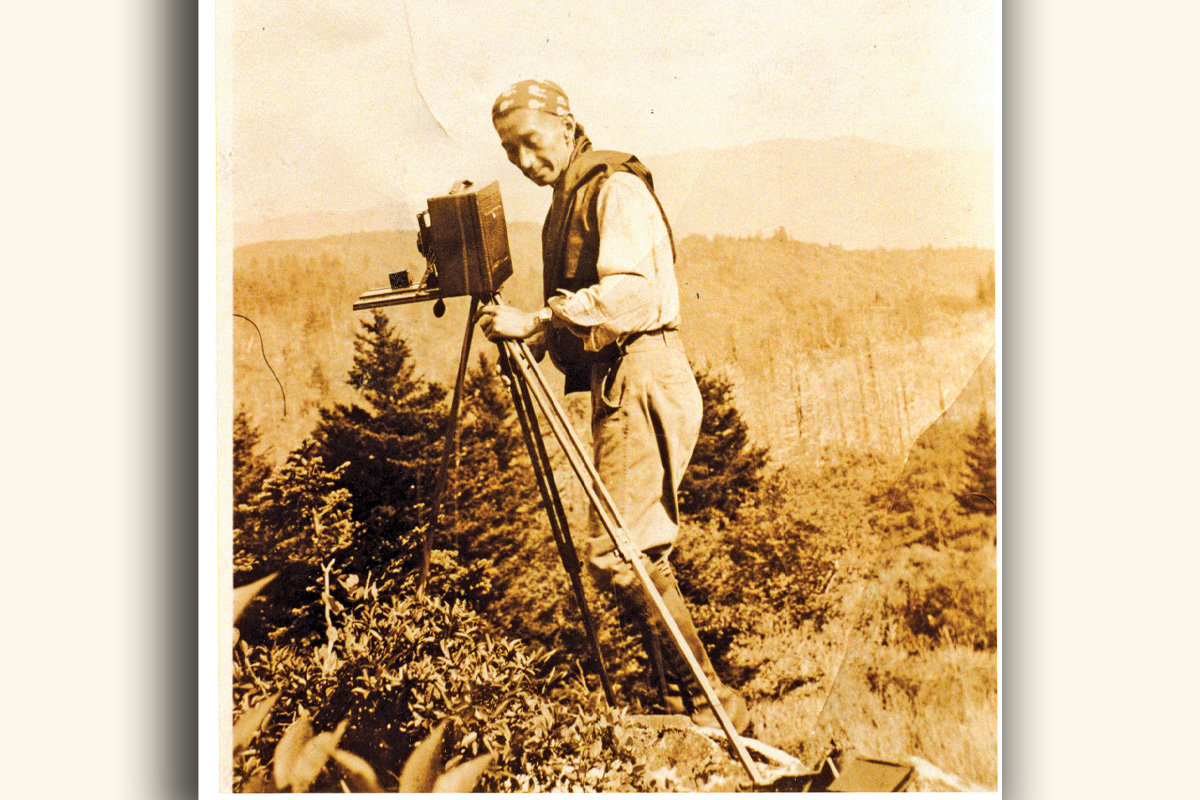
(524, 158)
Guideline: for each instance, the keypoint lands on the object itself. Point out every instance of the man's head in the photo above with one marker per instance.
(536, 129)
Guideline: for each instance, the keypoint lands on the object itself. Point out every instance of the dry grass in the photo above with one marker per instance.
(940, 705)
(840, 686)
(795, 672)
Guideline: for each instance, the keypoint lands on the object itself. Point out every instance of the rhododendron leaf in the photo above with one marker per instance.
(424, 763)
(462, 779)
(249, 723)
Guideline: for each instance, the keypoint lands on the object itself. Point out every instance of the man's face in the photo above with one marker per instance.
(537, 143)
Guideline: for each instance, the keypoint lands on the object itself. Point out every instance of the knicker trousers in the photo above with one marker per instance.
(646, 411)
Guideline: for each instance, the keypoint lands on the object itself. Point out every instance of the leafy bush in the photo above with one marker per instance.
(391, 669)
(771, 568)
(933, 597)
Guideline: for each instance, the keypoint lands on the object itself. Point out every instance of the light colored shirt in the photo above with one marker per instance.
(637, 290)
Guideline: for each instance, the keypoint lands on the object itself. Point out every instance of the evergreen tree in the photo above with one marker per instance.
(493, 493)
(726, 468)
(980, 471)
(496, 520)
(493, 511)
(392, 443)
(300, 520)
(300, 515)
(250, 467)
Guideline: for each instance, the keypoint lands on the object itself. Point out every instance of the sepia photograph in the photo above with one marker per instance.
(608, 396)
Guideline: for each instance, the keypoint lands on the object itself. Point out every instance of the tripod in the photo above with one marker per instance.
(530, 394)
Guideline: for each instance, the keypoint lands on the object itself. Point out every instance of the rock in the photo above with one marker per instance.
(929, 778)
(681, 759)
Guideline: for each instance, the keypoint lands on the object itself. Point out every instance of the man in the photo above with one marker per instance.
(611, 324)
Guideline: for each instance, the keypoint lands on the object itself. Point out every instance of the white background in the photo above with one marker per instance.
(1099, 431)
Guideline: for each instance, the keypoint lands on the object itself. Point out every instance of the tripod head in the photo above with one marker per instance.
(464, 239)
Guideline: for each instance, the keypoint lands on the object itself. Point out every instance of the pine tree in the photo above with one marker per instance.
(496, 519)
(392, 443)
(250, 467)
(493, 498)
(300, 515)
(979, 474)
(726, 468)
(383, 371)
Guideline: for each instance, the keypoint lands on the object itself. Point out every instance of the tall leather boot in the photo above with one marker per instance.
(692, 700)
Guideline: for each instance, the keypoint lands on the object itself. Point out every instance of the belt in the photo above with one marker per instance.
(641, 340)
(646, 340)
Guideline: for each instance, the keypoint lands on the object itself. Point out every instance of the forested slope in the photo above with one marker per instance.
(862, 347)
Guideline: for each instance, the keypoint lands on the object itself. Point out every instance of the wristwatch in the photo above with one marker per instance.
(543, 317)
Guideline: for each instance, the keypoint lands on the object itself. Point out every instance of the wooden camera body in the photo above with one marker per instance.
(469, 238)
(464, 238)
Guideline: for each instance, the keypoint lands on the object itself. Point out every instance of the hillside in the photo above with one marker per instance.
(852, 600)
(858, 348)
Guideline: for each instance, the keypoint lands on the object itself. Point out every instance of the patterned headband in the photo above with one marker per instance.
(539, 95)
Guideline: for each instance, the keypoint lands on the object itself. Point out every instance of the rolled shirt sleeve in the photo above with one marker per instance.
(637, 290)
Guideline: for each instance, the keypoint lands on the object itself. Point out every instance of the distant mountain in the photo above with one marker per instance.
(845, 191)
(319, 224)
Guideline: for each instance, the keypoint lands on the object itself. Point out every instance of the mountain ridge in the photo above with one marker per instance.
(845, 190)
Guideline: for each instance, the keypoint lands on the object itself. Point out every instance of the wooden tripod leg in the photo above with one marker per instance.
(610, 518)
(451, 444)
(656, 661)
(552, 500)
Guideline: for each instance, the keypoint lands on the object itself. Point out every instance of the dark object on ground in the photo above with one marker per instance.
(871, 775)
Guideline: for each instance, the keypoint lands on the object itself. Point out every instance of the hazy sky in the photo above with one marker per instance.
(339, 105)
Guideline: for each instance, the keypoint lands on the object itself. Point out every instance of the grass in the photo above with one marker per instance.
(788, 693)
(875, 678)
(940, 705)
(831, 688)
(840, 687)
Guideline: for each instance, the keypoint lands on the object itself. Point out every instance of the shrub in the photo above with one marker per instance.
(934, 597)
(391, 669)
(726, 468)
(772, 567)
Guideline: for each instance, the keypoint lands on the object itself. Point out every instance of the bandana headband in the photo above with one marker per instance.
(539, 95)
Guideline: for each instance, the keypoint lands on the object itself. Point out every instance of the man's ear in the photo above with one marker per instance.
(569, 125)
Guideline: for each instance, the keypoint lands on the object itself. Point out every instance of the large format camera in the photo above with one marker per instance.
(464, 239)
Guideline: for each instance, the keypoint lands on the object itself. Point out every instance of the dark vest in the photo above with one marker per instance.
(571, 245)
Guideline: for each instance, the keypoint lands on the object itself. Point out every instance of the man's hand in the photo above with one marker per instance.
(506, 322)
